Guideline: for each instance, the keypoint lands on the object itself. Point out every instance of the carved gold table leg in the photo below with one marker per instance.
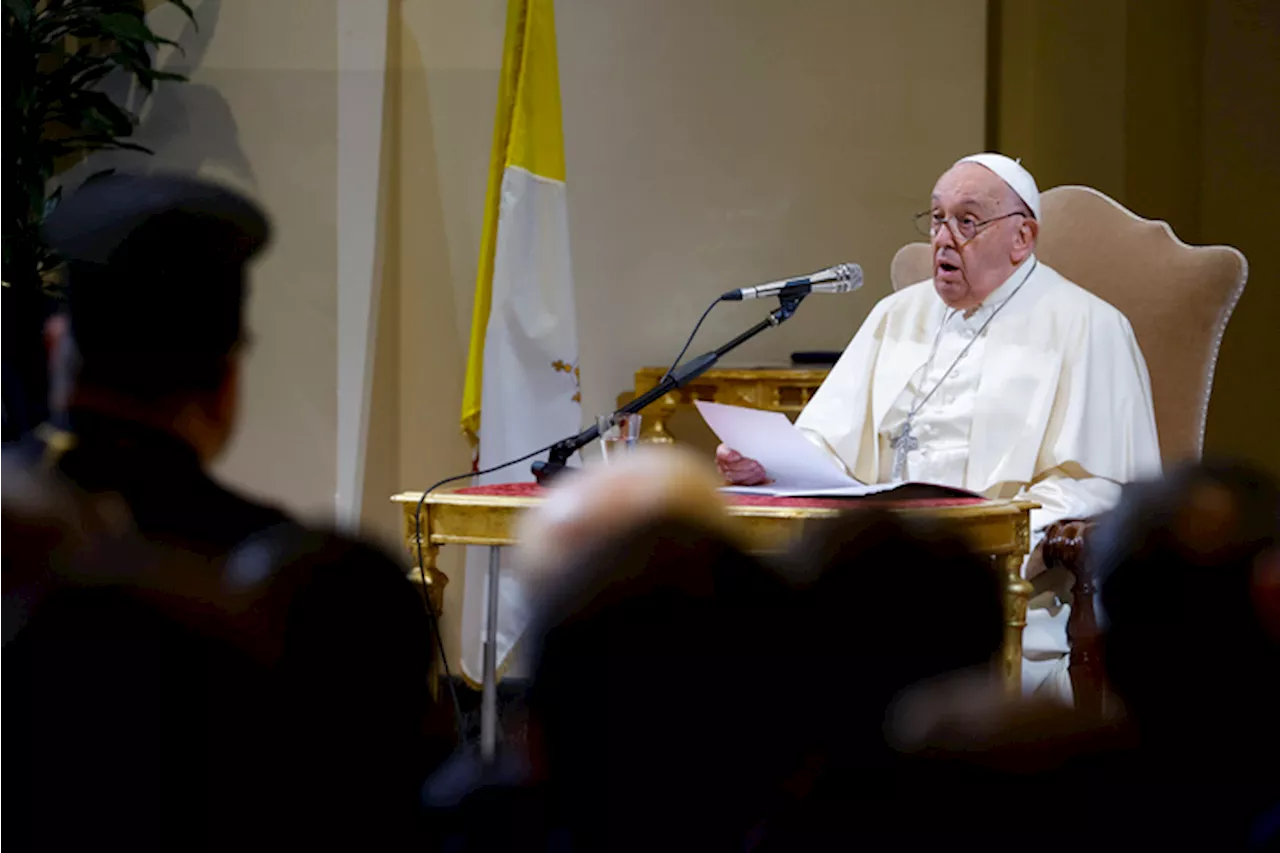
(426, 571)
(435, 579)
(1017, 593)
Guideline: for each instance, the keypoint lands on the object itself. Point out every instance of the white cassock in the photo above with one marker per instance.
(1051, 402)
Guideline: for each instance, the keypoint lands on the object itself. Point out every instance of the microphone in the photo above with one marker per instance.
(841, 278)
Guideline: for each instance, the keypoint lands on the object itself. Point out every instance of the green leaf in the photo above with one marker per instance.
(35, 202)
(100, 142)
(147, 77)
(52, 201)
(54, 110)
(186, 9)
(77, 71)
(92, 105)
(90, 75)
(125, 28)
(97, 176)
(22, 10)
(168, 75)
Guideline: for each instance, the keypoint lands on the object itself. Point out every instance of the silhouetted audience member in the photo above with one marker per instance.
(581, 514)
(659, 713)
(104, 686)
(1188, 648)
(1197, 537)
(350, 654)
(885, 602)
(157, 698)
(661, 693)
(1190, 762)
(145, 707)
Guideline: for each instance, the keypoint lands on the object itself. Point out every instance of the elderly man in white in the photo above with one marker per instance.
(999, 376)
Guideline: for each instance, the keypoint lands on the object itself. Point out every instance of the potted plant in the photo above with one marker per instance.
(57, 54)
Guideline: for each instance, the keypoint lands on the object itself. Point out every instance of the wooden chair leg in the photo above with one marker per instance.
(1064, 545)
(1088, 679)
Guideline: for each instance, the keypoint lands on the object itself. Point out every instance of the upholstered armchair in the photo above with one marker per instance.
(1178, 298)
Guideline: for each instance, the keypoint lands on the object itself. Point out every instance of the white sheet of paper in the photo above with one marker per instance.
(794, 462)
(774, 491)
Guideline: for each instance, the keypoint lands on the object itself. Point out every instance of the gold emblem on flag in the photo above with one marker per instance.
(562, 366)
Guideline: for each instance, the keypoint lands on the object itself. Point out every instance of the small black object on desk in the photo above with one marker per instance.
(816, 357)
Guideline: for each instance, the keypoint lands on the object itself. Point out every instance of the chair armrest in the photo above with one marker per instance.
(1064, 544)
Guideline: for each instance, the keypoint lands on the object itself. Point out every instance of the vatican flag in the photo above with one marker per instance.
(521, 389)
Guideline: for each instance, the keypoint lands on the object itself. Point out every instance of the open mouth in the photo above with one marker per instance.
(947, 267)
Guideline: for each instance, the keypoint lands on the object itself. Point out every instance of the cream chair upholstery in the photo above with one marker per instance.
(1178, 298)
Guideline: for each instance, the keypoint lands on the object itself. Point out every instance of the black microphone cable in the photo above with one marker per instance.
(692, 335)
(422, 571)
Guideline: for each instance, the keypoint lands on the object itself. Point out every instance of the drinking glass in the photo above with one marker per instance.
(618, 434)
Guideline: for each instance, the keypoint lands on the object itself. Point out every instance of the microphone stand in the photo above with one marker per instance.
(557, 460)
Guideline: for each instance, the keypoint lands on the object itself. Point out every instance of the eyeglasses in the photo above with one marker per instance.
(963, 228)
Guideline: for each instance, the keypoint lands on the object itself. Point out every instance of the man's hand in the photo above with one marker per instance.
(737, 469)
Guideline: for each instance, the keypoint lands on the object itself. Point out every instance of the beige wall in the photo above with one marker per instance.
(1107, 94)
(260, 113)
(1172, 107)
(281, 94)
(1061, 90)
(712, 145)
(709, 144)
(424, 318)
(1240, 185)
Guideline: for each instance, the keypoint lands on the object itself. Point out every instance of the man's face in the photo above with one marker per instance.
(965, 273)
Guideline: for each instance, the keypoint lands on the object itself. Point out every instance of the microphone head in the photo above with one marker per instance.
(848, 277)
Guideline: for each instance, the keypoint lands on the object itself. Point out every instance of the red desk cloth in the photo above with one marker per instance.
(533, 490)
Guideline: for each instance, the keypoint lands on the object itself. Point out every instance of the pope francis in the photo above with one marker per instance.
(999, 376)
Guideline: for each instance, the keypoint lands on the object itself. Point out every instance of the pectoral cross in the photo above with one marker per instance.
(902, 444)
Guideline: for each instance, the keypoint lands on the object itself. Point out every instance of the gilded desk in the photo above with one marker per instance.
(999, 530)
(777, 389)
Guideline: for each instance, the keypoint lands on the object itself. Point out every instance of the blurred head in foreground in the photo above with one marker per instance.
(585, 509)
(1188, 593)
(888, 602)
(655, 697)
(155, 299)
